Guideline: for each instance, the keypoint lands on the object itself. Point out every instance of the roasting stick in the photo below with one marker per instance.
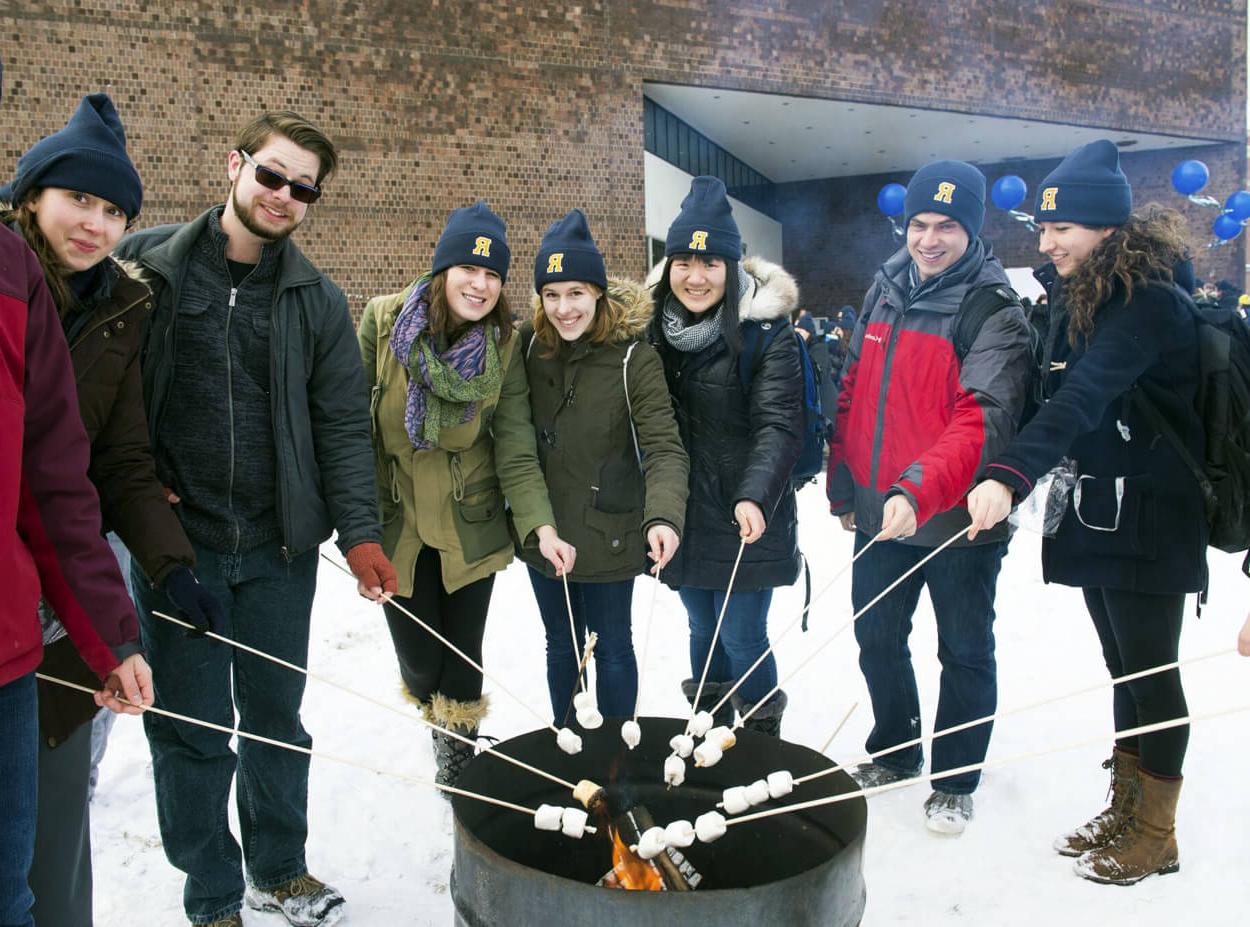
(235, 732)
(577, 652)
(368, 698)
(631, 733)
(837, 730)
(583, 717)
(724, 607)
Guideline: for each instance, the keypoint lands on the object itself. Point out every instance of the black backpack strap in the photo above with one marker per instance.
(978, 305)
(1137, 395)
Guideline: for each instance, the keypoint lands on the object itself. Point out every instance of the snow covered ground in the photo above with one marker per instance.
(387, 845)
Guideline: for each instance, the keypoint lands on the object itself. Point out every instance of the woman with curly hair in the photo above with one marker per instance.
(1133, 536)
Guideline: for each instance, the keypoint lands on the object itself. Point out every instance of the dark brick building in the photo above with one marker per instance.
(538, 107)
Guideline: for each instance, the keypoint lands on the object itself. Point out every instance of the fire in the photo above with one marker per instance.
(631, 872)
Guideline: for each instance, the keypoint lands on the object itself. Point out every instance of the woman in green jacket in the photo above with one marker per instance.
(611, 453)
(452, 438)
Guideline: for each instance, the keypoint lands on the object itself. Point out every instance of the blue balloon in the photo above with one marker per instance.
(1009, 192)
(1238, 205)
(1226, 228)
(1189, 177)
(890, 199)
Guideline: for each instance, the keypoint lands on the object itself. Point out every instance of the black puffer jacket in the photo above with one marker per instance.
(741, 446)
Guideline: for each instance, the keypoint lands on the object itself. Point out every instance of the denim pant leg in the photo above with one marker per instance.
(19, 788)
(744, 636)
(561, 658)
(884, 656)
(701, 612)
(193, 766)
(606, 609)
(961, 583)
(60, 876)
(272, 613)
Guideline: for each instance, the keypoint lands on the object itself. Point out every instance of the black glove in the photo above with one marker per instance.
(197, 604)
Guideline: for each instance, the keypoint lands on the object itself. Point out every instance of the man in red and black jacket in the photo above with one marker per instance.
(915, 423)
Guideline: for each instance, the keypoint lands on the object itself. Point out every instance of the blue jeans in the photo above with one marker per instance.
(268, 602)
(19, 788)
(961, 587)
(743, 637)
(605, 609)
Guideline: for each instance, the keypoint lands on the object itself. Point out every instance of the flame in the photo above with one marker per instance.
(631, 872)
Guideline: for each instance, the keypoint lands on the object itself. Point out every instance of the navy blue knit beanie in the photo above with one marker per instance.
(1087, 188)
(568, 252)
(88, 155)
(473, 235)
(951, 188)
(705, 226)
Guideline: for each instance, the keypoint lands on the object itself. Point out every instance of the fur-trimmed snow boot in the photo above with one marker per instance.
(767, 720)
(1103, 827)
(712, 693)
(1146, 845)
(451, 754)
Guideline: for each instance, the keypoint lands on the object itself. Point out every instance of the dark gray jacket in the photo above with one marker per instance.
(318, 391)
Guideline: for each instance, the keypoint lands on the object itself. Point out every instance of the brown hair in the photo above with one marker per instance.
(1144, 248)
(442, 323)
(54, 272)
(253, 137)
(608, 316)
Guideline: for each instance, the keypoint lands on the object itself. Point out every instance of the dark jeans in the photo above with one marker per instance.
(605, 609)
(961, 587)
(1139, 630)
(60, 875)
(425, 665)
(743, 637)
(19, 787)
(268, 602)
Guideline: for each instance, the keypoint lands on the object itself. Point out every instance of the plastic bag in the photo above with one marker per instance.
(1044, 508)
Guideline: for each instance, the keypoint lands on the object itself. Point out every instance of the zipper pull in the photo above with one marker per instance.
(234, 292)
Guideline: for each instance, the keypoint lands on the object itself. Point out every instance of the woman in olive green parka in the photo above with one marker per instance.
(610, 450)
(452, 439)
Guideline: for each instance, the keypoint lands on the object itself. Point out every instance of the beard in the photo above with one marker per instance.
(248, 222)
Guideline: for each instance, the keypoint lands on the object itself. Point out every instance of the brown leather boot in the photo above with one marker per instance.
(1099, 830)
(1146, 845)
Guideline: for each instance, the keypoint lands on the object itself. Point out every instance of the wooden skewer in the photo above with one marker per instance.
(591, 640)
(841, 724)
(646, 644)
(707, 664)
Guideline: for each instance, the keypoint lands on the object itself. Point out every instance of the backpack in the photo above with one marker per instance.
(756, 337)
(1223, 404)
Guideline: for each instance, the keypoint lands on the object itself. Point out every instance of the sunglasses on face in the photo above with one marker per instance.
(272, 180)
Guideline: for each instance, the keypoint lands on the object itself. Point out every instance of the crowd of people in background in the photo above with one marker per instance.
(199, 389)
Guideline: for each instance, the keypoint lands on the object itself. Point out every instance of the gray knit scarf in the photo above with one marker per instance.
(692, 338)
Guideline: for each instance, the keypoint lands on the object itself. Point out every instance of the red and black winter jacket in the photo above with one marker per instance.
(50, 541)
(911, 418)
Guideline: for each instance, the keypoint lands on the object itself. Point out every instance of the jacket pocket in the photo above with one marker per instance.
(620, 532)
(480, 522)
(1113, 516)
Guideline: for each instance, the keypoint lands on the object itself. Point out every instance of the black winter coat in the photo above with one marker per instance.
(741, 446)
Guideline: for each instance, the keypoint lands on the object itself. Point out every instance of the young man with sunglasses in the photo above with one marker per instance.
(258, 412)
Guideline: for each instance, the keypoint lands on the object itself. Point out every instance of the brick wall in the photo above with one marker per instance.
(537, 107)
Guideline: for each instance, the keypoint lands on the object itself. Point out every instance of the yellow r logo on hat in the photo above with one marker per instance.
(481, 246)
(698, 241)
(944, 191)
(555, 263)
(1048, 198)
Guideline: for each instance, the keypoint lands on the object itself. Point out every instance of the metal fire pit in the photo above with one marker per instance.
(792, 869)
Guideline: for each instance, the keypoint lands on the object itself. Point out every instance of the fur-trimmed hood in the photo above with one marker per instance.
(775, 293)
(633, 301)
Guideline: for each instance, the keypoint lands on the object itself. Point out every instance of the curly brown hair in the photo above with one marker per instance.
(1146, 247)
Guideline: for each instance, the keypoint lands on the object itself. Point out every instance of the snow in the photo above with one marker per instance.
(386, 844)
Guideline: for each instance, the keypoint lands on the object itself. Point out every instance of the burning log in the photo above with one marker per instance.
(665, 870)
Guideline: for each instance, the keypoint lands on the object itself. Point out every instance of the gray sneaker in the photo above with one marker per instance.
(870, 775)
(304, 902)
(947, 814)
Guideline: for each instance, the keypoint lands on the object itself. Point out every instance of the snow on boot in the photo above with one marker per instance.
(452, 755)
(712, 693)
(768, 719)
(947, 813)
(871, 775)
(304, 901)
(1101, 829)
(230, 920)
(1146, 845)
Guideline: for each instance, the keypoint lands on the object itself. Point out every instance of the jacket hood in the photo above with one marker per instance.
(633, 301)
(774, 295)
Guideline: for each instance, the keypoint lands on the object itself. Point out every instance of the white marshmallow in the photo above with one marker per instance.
(780, 783)
(674, 770)
(589, 718)
(573, 822)
(569, 742)
(757, 792)
(679, 834)
(583, 700)
(735, 799)
(710, 826)
(547, 817)
(700, 723)
(707, 754)
(652, 843)
(631, 733)
(682, 745)
(723, 737)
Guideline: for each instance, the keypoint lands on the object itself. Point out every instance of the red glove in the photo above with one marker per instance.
(371, 568)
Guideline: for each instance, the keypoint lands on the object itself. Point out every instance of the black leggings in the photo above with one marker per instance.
(425, 665)
(1138, 631)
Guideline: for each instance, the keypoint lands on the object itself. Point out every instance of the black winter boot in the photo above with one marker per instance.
(768, 719)
(452, 754)
(712, 693)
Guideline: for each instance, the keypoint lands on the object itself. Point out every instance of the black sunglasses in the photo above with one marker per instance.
(271, 180)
